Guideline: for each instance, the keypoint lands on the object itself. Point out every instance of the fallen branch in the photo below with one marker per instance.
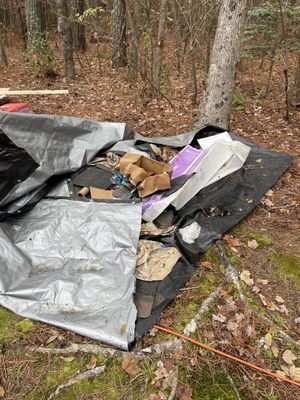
(192, 325)
(232, 274)
(172, 395)
(89, 374)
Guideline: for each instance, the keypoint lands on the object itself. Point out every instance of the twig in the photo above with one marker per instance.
(192, 325)
(92, 373)
(174, 384)
(234, 387)
(85, 348)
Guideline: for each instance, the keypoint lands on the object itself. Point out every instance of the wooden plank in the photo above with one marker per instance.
(6, 91)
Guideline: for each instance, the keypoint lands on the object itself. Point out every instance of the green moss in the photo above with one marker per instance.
(230, 255)
(115, 383)
(58, 371)
(210, 385)
(211, 256)
(25, 326)
(262, 240)
(186, 312)
(12, 326)
(287, 266)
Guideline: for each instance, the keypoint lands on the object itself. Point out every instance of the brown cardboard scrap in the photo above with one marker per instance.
(129, 158)
(154, 183)
(136, 174)
(101, 194)
(152, 175)
(155, 261)
(83, 192)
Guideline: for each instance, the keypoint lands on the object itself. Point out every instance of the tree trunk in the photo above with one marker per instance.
(20, 16)
(3, 58)
(158, 54)
(65, 29)
(216, 104)
(119, 58)
(35, 33)
(297, 83)
(79, 28)
(133, 11)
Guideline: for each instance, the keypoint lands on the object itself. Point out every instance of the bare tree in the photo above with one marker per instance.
(65, 29)
(79, 28)
(158, 53)
(119, 58)
(216, 104)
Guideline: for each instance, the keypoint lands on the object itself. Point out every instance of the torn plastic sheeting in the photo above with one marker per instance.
(58, 267)
(58, 144)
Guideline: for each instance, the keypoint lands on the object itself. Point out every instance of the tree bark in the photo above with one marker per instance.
(216, 104)
(79, 28)
(119, 58)
(159, 48)
(297, 83)
(34, 21)
(3, 58)
(65, 29)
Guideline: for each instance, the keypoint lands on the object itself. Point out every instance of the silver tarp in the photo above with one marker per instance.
(72, 264)
(58, 144)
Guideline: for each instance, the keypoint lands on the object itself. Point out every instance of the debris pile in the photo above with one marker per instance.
(100, 226)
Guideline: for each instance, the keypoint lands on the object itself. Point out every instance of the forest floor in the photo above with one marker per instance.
(263, 250)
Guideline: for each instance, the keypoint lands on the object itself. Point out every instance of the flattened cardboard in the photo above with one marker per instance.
(154, 183)
(101, 194)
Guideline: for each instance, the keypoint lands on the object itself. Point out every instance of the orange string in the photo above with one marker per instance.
(233, 358)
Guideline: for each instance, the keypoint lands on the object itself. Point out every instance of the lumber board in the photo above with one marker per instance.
(7, 91)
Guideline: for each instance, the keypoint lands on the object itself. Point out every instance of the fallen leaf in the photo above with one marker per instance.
(183, 392)
(267, 202)
(285, 369)
(250, 201)
(289, 357)
(123, 329)
(245, 277)
(267, 303)
(268, 339)
(252, 244)
(295, 373)
(275, 350)
(232, 241)
(207, 264)
(92, 363)
(219, 318)
(52, 339)
(297, 320)
(280, 373)
(232, 326)
(255, 289)
(250, 332)
(269, 193)
(130, 366)
(263, 281)
(279, 299)
(282, 308)
(68, 359)
(2, 392)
